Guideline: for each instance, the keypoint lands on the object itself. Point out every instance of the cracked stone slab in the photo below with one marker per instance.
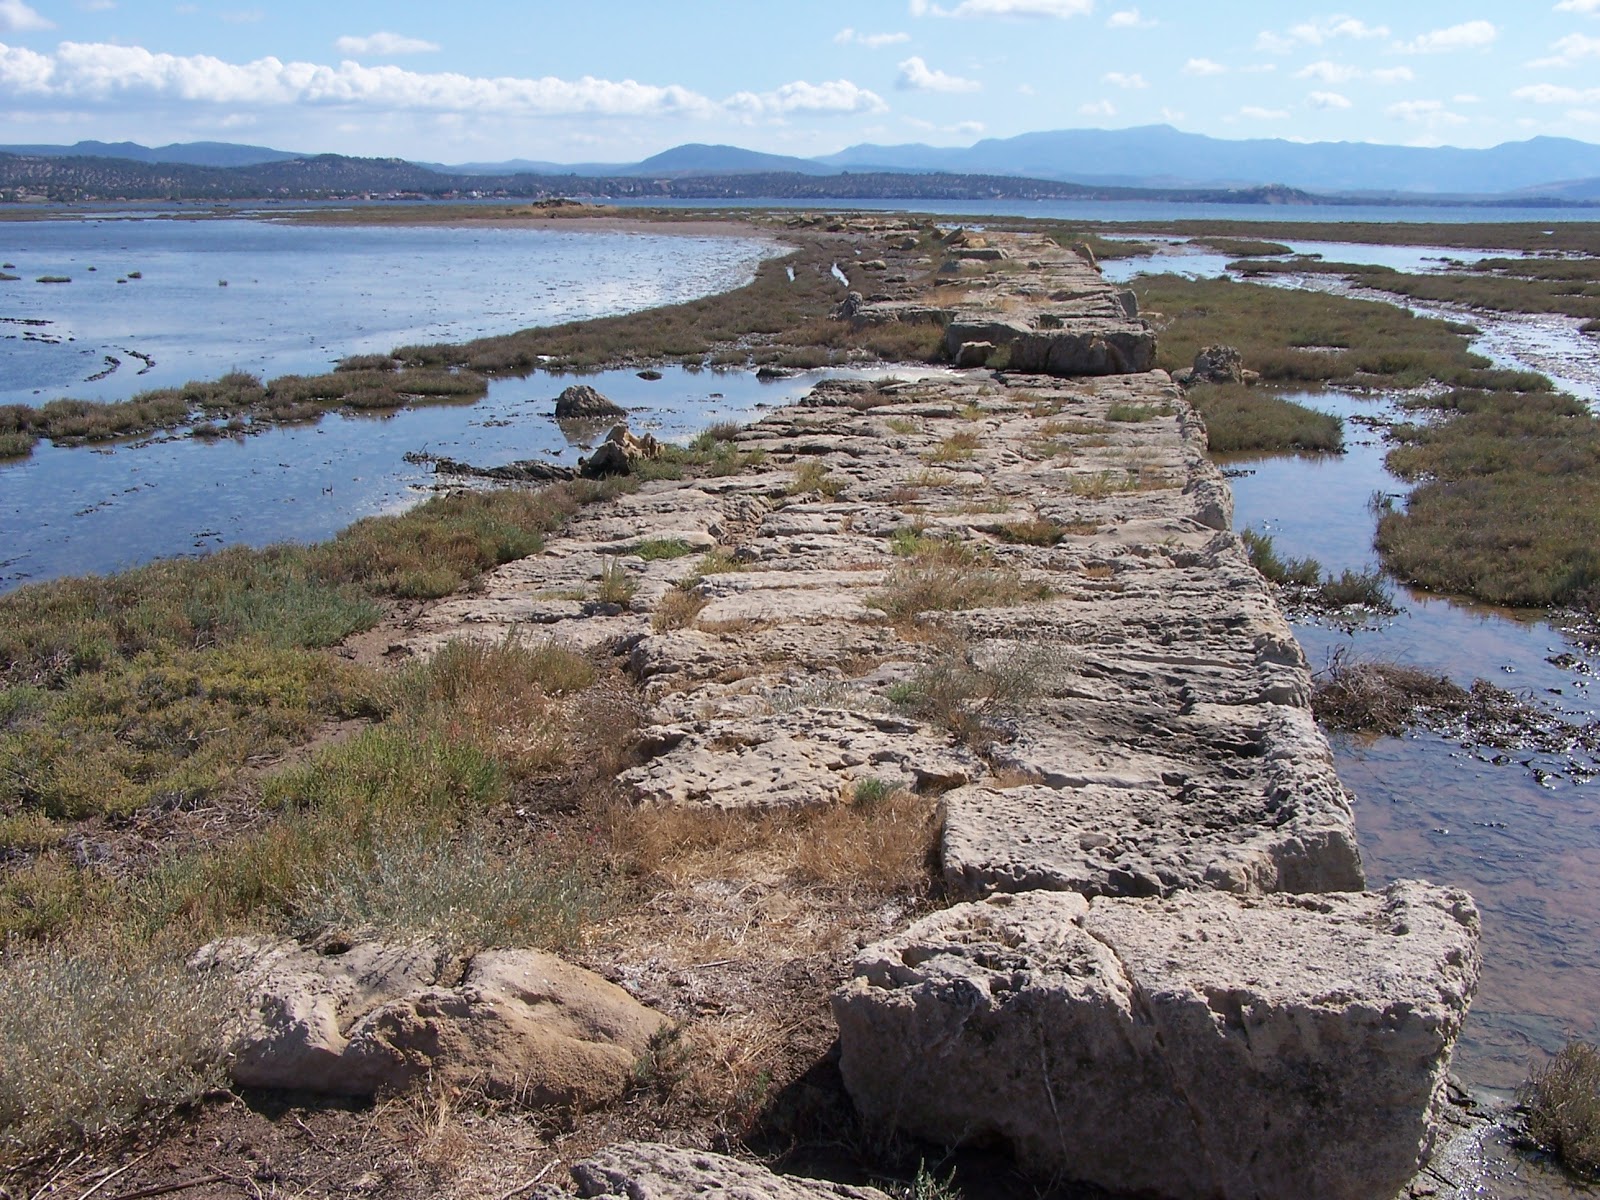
(777, 761)
(1201, 1046)
(1235, 799)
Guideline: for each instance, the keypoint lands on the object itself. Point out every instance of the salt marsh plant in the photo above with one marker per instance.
(1563, 1105)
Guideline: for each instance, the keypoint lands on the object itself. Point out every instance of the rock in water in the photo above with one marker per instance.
(378, 1018)
(1197, 1047)
(650, 1171)
(580, 402)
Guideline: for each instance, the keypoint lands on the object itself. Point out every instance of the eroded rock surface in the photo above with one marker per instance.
(1205, 1045)
(378, 1018)
(650, 1171)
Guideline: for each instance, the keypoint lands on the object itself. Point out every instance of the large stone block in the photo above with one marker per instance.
(378, 1018)
(1201, 1046)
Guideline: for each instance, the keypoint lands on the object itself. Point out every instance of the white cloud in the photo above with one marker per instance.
(1394, 75)
(918, 76)
(1549, 93)
(1328, 100)
(1328, 72)
(1203, 66)
(1579, 6)
(17, 17)
(1173, 115)
(97, 5)
(99, 73)
(1100, 108)
(872, 41)
(1569, 50)
(1424, 112)
(1315, 33)
(1124, 81)
(1004, 8)
(1256, 113)
(1469, 35)
(383, 45)
(835, 97)
(1132, 18)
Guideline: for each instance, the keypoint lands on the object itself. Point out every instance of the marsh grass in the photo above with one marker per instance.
(1507, 502)
(162, 684)
(1277, 329)
(235, 396)
(1563, 1105)
(1264, 557)
(1243, 419)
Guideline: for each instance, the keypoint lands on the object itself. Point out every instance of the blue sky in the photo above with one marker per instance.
(616, 80)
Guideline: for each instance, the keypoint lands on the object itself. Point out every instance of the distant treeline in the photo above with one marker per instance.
(333, 176)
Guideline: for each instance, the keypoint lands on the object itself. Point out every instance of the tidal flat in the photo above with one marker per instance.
(730, 1090)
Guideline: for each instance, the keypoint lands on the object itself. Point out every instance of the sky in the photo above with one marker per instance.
(618, 80)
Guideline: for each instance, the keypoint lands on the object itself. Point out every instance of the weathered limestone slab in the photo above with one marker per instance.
(1143, 825)
(378, 1018)
(1204, 1045)
(776, 761)
(650, 1171)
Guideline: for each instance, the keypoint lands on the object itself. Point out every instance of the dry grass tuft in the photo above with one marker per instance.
(886, 844)
(100, 1037)
(1563, 1102)
(944, 576)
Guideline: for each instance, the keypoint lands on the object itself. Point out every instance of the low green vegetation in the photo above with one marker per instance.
(1244, 420)
(772, 320)
(1242, 247)
(1507, 502)
(1506, 506)
(1562, 1100)
(1304, 580)
(1561, 285)
(1309, 338)
(161, 685)
(241, 400)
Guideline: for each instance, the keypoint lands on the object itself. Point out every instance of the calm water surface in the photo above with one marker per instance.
(1514, 829)
(299, 297)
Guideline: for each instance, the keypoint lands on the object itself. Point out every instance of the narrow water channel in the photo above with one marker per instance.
(1520, 831)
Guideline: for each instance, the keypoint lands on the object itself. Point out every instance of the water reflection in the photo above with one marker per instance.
(71, 511)
(1525, 843)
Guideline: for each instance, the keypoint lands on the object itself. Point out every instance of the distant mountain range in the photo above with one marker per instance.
(1154, 157)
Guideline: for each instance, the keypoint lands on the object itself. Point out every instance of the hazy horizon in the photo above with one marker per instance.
(621, 81)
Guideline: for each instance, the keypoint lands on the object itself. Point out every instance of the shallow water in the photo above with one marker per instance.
(298, 297)
(1191, 259)
(1511, 828)
(70, 511)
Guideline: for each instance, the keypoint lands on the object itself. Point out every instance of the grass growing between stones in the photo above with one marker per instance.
(1563, 1103)
(944, 576)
